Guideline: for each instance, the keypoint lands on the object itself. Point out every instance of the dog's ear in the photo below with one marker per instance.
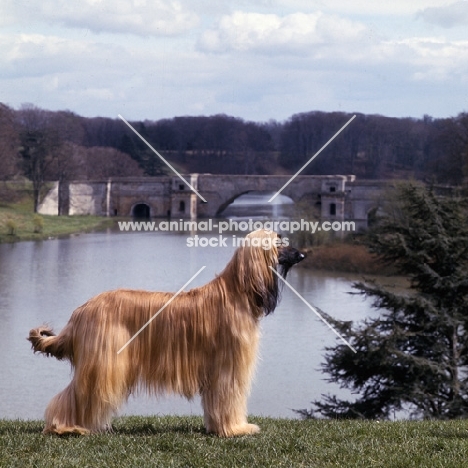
(256, 278)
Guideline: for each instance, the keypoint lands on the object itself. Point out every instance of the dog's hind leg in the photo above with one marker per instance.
(98, 389)
(61, 415)
(81, 409)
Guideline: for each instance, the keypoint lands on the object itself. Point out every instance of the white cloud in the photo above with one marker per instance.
(328, 42)
(361, 7)
(256, 59)
(435, 59)
(39, 54)
(141, 17)
(270, 33)
(447, 16)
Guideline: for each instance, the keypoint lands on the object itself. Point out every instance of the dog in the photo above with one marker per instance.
(204, 342)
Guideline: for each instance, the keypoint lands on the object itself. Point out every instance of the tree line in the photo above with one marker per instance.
(44, 145)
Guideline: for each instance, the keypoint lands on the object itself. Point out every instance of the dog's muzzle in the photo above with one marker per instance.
(290, 256)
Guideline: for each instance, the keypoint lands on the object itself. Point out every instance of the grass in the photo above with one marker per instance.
(18, 223)
(181, 442)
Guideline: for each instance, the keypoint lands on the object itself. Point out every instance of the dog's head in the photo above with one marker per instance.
(287, 257)
(273, 249)
(262, 251)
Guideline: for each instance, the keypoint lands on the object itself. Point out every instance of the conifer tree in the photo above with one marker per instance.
(414, 355)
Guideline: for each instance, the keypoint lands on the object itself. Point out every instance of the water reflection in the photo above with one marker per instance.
(255, 205)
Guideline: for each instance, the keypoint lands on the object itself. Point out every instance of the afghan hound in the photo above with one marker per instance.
(204, 342)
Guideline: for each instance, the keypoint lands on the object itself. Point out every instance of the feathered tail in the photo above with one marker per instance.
(44, 340)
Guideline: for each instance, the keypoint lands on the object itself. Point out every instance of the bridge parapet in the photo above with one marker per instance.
(331, 197)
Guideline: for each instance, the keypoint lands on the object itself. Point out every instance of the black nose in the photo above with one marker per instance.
(300, 257)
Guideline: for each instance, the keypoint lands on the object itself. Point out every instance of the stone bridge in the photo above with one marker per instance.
(332, 197)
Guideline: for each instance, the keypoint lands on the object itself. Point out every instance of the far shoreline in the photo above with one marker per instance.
(343, 257)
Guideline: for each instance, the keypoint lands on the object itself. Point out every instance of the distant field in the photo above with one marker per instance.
(181, 442)
(18, 222)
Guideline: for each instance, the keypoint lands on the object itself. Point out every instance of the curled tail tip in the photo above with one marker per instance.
(44, 340)
(40, 332)
(37, 336)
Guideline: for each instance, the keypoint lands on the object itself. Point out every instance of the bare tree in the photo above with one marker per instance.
(9, 143)
(102, 163)
(39, 143)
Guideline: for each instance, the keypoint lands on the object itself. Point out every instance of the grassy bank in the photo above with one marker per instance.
(18, 223)
(182, 442)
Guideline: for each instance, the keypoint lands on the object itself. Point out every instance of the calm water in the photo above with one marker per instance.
(43, 282)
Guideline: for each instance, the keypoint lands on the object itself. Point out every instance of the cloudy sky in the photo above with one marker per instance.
(256, 59)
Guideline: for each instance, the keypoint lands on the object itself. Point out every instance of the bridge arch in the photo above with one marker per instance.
(230, 200)
(221, 190)
(258, 202)
(141, 210)
(312, 198)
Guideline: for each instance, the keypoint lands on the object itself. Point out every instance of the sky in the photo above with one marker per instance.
(257, 60)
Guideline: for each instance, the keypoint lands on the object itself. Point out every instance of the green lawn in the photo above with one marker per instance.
(182, 442)
(18, 222)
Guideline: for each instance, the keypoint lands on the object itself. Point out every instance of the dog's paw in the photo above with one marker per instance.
(62, 430)
(253, 429)
(244, 429)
